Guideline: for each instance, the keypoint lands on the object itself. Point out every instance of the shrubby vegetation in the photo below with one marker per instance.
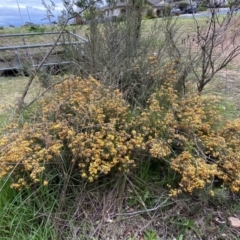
(130, 111)
(88, 130)
(150, 13)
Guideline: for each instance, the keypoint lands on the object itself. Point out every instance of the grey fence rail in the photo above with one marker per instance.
(16, 62)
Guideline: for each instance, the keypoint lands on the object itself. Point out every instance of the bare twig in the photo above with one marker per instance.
(21, 101)
(162, 204)
(217, 45)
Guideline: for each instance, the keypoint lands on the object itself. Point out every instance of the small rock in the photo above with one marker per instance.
(218, 220)
(234, 222)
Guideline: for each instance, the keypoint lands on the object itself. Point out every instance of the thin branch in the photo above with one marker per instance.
(21, 101)
(146, 210)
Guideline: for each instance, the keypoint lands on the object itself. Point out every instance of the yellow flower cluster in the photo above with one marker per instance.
(80, 121)
(188, 133)
(195, 172)
(229, 159)
(98, 152)
(24, 154)
(90, 128)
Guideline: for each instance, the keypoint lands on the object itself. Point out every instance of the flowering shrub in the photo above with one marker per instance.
(211, 153)
(87, 129)
(81, 124)
(190, 135)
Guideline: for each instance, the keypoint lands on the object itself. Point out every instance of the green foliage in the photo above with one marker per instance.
(150, 13)
(36, 28)
(45, 79)
(92, 13)
(202, 8)
(20, 217)
(87, 15)
(183, 5)
(205, 3)
(150, 235)
(167, 11)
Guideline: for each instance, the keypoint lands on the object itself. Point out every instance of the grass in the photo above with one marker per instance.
(48, 28)
(12, 88)
(21, 216)
(226, 85)
(37, 53)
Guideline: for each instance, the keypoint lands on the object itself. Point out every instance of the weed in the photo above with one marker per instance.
(150, 235)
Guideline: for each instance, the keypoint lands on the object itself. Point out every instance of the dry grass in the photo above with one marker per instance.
(11, 89)
(144, 212)
(38, 52)
(226, 85)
